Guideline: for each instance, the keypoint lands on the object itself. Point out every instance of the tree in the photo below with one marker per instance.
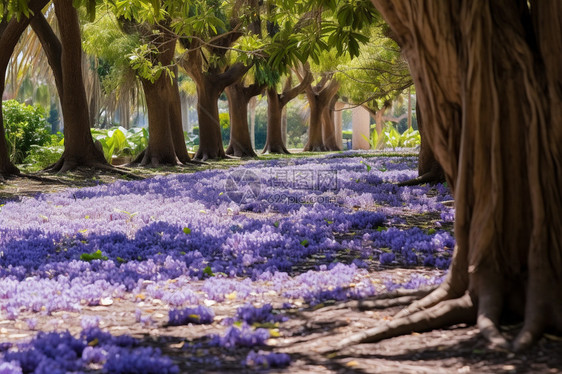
(206, 61)
(65, 59)
(11, 27)
(239, 96)
(489, 90)
(321, 130)
(275, 103)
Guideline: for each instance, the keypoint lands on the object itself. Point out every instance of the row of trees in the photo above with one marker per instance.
(243, 48)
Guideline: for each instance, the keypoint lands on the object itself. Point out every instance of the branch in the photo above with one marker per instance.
(232, 74)
(254, 89)
(289, 95)
(51, 46)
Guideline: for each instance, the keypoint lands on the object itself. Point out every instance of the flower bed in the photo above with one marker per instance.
(279, 235)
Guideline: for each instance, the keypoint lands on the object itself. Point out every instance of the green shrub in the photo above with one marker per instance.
(25, 126)
(118, 141)
(41, 156)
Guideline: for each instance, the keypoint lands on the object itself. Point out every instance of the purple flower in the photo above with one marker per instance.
(200, 315)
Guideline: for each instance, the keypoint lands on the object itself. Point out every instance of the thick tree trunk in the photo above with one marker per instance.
(10, 32)
(274, 140)
(160, 150)
(320, 99)
(174, 108)
(166, 144)
(238, 98)
(210, 139)
(210, 84)
(329, 127)
(276, 102)
(315, 142)
(491, 99)
(80, 149)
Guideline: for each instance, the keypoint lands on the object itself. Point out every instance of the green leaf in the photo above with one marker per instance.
(208, 271)
(304, 243)
(186, 230)
(97, 255)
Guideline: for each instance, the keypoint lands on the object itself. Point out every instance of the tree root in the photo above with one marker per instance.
(441, 293)
(275, 149)
(429, 177)
(396, 298)
(446, 313)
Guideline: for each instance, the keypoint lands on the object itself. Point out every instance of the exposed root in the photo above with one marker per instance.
(446, 313)
(396, 298)
(441, 293)
(195, 162)
(490, 305)
(315, 148)
(275, 149)
(429, 177)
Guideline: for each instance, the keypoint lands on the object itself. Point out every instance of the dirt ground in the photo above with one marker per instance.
(306, 336)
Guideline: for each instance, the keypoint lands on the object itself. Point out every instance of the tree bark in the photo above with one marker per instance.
(80, 149)
(166, 144)
(329, 127)
(238, 98)
(10, 32)
(210, 84)
(320, 98)
(275, 104)
(491, 99)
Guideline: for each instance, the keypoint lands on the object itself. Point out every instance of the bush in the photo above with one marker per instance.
(26, 126)
(41, 156)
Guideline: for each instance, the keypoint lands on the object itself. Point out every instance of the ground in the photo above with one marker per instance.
(308, 330)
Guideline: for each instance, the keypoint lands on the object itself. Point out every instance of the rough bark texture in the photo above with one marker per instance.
(238, 98)
(80, 149)
(320, 98)
(10, 32)
(490, 75)
(275, 103)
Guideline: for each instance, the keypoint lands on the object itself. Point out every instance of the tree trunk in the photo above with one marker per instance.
(276, 102)
(174, 108)
(166, 143)
(80, 149)
(329, 127)
(429, 170)
(238, 98)
(490, 94)
(210, 84)
(274, 140)
(320, 99)
(10, 32)
(210, 139)
(314, 142)
(160, 150)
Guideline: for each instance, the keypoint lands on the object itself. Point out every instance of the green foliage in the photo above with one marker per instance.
(26, 126)
(41, 156)
(97, 255)
(392, 138)
(224, 120)
(119, 141)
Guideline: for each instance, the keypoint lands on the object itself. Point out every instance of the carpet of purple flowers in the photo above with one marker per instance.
(305, 231)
